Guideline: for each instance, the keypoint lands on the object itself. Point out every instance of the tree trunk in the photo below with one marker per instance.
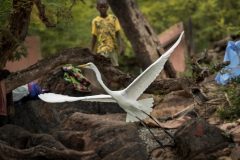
(17, 29)
(144, 41)
(190, 38)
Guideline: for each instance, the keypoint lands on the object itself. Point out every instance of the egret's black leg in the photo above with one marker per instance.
(155, 120)
(143, 123)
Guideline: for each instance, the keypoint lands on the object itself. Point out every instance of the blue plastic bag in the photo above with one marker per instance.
(231, 71)
(34, 90)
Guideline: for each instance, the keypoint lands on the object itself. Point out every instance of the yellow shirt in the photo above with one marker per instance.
(105, 30)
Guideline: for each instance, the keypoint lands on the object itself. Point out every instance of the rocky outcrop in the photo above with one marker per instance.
(86, 130)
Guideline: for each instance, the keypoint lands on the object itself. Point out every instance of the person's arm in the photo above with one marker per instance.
(94, 40)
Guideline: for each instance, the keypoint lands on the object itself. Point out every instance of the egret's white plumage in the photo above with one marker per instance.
(126, 98)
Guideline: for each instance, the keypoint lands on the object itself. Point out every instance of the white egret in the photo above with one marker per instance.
(127, 98)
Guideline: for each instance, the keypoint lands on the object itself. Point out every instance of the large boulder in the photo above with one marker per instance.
(197, 139)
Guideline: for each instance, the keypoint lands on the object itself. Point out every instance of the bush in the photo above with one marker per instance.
(232, 111)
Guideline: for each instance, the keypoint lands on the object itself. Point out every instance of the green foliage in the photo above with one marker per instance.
(19, 53)
(232, 91)
(5, 10)
(211, 19)
(73, 25)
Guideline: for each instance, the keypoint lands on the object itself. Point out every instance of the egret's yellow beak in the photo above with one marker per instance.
(83, 65)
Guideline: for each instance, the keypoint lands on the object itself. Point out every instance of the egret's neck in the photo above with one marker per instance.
(99, 78)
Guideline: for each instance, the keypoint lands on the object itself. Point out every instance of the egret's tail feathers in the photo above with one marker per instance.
(131, 118)
(141, 113)
(147, 105)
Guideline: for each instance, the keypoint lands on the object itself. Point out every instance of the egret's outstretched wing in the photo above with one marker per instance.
(58, 98)
(140, 84)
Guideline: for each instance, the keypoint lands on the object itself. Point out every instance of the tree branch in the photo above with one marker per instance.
(42, 14)
(40, 151)
(80, 56)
